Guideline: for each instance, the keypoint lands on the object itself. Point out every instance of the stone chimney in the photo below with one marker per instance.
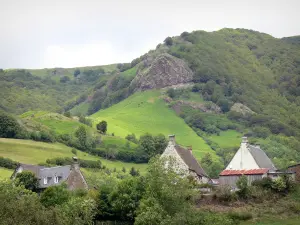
(190, 149)
(75, 164)
(172, 139)
(244, 139)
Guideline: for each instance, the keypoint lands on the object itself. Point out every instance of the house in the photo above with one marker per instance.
(249, 160)
(296, 170)
(50, 176)
(185, 161)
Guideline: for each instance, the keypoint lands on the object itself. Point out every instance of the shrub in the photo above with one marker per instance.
(224, 194)
(8, 163)
(265, 183)
(168, 41)
(242, 184)
(28, 179)
(74, 151)
(279, 185)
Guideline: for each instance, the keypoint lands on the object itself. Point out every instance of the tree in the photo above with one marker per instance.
(9, 126)
(28, 179)
(132, 138)
(81, 134)
(147, 145)
(102, 127)
(166, 193)
(64, 79)
(242, 184)
(76, 72)
(207, 159)
(160, 143)
(133, 172)
(125, 198)
(168, 41)
(55, 195)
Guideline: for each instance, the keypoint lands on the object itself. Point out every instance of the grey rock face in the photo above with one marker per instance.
(165, 70)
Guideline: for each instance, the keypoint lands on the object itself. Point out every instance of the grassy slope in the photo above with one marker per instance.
(146, 112)
(82, 108)
(227, 139)
(32, 152)
(5, 173)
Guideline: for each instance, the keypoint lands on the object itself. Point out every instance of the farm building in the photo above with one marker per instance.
(185, 161)
(295, 169)
(251, 161)
(50, 176)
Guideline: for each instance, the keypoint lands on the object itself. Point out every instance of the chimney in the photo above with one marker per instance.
(190, 149)
(172, 139)
(244, 139)
(75, 164)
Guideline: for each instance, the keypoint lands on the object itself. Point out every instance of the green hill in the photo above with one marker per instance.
(147, 112)
(32, 152)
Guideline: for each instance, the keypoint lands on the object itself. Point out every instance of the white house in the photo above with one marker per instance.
(185, 161)
(249, 160)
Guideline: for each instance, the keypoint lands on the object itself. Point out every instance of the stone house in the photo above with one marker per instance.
(51, 176)
(185, 161)
(251, 161)
(296, 170)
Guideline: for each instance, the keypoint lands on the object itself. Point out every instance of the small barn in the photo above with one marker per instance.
(185, 161)
(296, 170)
(51, 176)
(251, 161)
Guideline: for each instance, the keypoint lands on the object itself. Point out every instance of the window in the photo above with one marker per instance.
(45, 180)
(56, 179)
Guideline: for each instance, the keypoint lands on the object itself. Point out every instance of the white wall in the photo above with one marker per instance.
(243, 159)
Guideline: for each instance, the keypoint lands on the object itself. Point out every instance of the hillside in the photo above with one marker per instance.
(147, 112)
(32, 152)
(205, 76)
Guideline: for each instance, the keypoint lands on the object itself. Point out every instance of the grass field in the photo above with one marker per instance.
(227, 139)
(147, 112)
(5, 173)
(32, 152)
(82, 108)
(130, 73)
(275, 221)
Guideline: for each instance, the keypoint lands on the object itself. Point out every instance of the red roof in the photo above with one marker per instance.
(245, 172)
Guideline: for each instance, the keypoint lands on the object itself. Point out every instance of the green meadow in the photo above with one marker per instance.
(32, 152)
(146, 112)
(227, 139)
(5, 173)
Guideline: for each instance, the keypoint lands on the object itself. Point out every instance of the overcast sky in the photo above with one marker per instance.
(70, 33)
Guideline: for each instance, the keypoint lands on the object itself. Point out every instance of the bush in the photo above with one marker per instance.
(168, 41)
(74, 151)
(8, 163)
(242, 184)
(224, 194)
(265, 183)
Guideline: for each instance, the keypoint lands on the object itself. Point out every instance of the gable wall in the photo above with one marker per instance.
(170, 151)
(243, 159)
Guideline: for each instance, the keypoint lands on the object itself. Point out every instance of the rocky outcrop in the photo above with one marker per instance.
(165, 70)
(204, 107)
(243, 109)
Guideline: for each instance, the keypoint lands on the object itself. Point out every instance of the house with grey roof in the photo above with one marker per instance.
(185, 162)
(251, 161)
(50, 176)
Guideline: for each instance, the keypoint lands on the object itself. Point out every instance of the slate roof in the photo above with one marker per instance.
(261, 158)
(62, 172)
(72, 177)
(190, 160)
(245, 172)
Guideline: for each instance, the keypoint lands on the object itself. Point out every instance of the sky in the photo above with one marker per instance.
(73, 33)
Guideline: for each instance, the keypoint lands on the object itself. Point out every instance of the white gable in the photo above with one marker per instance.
(243, 159)
(170, 151)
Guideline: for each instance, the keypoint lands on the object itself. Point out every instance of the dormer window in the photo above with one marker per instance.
(45, 180)
(56, 179)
